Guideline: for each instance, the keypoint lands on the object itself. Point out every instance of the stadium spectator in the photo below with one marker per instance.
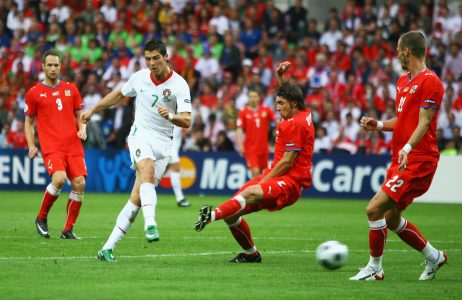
(414, 161)
(253, 126)
(297, 20)
(150, 139)
(279, 186)
(322, 143)
(59, 131)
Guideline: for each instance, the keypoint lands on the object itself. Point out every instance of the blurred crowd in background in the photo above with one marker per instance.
(346, 66)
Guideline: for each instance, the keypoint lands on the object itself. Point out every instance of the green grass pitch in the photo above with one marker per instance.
(185, 264)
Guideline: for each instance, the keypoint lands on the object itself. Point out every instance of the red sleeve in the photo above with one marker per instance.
(30, 108)
(78, 102)
(241, 119)
(294, 137)
(432, 92)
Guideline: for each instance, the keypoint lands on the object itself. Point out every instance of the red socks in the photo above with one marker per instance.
(410, 235)
(73, 209)
(241, 233)
(229, 208)
(49, 198)
(377, 237)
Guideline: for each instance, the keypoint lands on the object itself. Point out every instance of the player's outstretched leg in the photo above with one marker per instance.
(205, 217)
(431, 267)
(411, 235)
(124, 221)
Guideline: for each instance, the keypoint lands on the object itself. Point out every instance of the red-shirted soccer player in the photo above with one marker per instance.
(279, 186)
(56, 105)
(414, 159)
(255, 120)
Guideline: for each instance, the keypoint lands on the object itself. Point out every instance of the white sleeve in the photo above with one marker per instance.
(128, 89)
(183, 99)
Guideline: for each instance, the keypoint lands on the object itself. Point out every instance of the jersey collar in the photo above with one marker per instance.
(162, 81)
(51, 86)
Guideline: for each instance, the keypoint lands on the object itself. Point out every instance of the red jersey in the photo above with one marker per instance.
(296, 134)
(256, 124)
(54, 108)
(423, 91)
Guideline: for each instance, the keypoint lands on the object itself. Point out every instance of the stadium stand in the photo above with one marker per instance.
(346, 66)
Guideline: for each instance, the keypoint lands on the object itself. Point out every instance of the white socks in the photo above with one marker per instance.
(148, 197)
(123, 223)
(52, 190)
(176, 185)
(431, 254)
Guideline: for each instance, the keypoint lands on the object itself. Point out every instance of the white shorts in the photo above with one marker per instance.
(176, 145)
(156, 148)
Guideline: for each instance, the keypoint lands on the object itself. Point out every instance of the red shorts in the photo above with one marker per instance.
(278, 193)
(74, 166)
(256, 160)
(411, 183)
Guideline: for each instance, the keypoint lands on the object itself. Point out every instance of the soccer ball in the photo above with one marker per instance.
(332, 254)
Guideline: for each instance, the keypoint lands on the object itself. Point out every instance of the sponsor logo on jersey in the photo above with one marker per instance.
(263, 114)
(138, 152)
(413, 89)
(50, 164)
(429, 101)
(55, 93)
(187, 100)
(167, 93)
(290, 144)
(43, 95)
(406, 90)
(67, 93)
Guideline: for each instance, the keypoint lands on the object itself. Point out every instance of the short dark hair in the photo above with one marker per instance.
(155, 45)
(291, 93)
(51, 53)
(415, 41)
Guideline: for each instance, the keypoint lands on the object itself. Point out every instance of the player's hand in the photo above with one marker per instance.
(369, 124)
(283, 67)
(402, 160)
(163, 112)
(82, 133)
(33, 151)
(86, 116)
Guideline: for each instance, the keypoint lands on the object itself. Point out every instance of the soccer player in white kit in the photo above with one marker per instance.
(162, 100)
(174, 167)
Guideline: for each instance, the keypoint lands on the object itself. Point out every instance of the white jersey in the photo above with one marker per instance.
(173, 93)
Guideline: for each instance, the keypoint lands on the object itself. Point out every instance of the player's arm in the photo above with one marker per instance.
(425, 117)
(81, 127)
(29, 131)
(240, 141)
(183, 119)
(283, 166)
(371, 124)
(280, 70)
(111, 99)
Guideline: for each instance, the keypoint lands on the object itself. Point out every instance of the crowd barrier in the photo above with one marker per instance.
(222, 173)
